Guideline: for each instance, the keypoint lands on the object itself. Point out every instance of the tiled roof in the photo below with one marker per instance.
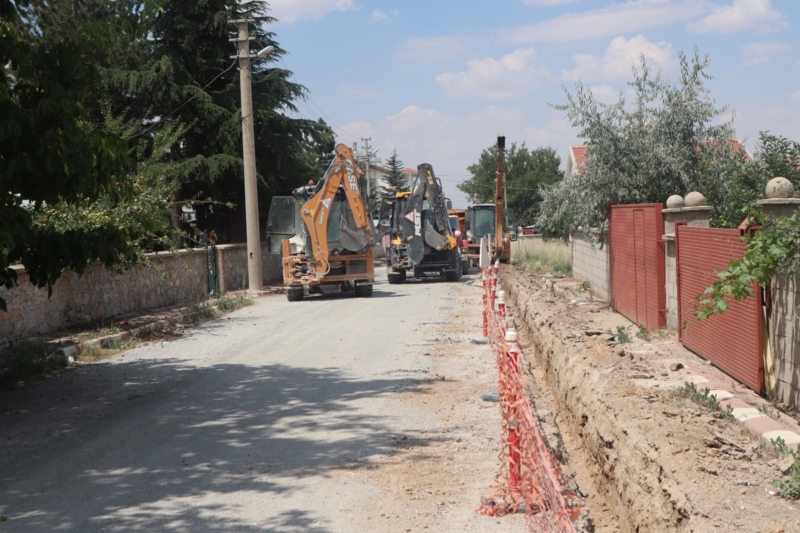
(408, 170)
(579, 153)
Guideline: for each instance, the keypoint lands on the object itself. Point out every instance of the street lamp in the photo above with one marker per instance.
(254, 273)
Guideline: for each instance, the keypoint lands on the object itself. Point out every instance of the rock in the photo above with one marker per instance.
(491, 397)
(642, 376)
(711, 452)
(621, 352)
(785, 465)
(675, 366)
(480, 341)
(605, 337)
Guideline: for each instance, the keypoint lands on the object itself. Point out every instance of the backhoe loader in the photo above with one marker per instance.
(421, 242)
(326, 232)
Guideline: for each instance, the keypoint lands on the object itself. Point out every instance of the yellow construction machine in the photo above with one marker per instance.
(326, 232)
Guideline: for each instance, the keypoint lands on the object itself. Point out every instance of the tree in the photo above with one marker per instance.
(775, 248)
(50, 151)
(643, 151)
(181, 72)
(396, 179)
(526, 172)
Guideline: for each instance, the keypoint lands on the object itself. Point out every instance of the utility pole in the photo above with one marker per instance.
(254, 276)
(366, 154)
(499, 196)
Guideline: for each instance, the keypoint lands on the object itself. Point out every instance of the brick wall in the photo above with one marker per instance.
(591, 265)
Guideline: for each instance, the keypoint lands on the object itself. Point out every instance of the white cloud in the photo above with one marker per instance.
(795, 97)
(761, 52)
(546, 2)
(619, 58)
(354, 130)
(616, 19)
(360, 92)
(604, 94)
(741, 15)
(289, 11)
(379, 16)
(435, 49)
(512, 75)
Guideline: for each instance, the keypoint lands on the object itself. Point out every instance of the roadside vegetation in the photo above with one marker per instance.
(543, 257)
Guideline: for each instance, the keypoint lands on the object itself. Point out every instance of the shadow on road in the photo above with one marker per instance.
(163, 445)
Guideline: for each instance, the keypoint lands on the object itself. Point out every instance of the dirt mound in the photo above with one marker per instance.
(661, 462)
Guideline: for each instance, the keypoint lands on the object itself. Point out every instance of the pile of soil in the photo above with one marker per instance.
(658, 461)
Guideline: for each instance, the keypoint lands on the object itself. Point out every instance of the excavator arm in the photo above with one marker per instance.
(343, 174)
(436, 232)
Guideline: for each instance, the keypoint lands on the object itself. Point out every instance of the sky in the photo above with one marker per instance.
(439, 79)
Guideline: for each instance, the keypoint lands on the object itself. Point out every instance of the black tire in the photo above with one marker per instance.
(363, 291)
(294, 294)
(396, 277)
(454, 276)
(464, 266)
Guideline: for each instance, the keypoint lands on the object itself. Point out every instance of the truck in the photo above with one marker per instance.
(421, 241)
(325, 233)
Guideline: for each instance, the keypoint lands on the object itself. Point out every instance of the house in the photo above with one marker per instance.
(578, 153)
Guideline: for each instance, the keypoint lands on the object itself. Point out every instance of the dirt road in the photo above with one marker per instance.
(334, 414)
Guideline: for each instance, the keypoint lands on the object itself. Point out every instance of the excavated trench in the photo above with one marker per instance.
(610, 435)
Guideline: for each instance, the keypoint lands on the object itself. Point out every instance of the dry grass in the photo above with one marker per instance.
(543, 257)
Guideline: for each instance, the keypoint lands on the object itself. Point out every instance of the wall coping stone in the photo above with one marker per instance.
(668, 237)
(779, 201)
(699, 208)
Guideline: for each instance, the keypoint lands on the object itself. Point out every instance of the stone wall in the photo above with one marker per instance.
(101, 294)
(591, 265)
(783, 354)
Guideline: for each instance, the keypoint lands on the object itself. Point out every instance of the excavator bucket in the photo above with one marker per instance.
(351, 238)
(433, 238)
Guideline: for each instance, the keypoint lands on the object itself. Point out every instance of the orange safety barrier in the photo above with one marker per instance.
(530, 480)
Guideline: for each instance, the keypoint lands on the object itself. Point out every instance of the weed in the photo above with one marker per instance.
(228, 303)
(585, 285)
(197, 313)
(766, 411)
(543, 257)
(623, 337)
(25, 360)
(643, 334)
(788, 488)
(704, 398)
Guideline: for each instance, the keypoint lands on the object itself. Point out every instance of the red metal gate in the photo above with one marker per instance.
(636, 252)
(731, 340)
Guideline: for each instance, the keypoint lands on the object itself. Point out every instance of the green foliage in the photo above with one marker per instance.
(733, 187)
(25, 360)
(198, 313)
(703, 398)
(623, 337)
(526, 173)
(232, 303)
(775, 249)
(766, 411)
(639, 151)
(548, 257)
(644, 334)
(50, 151)
(395, 179)
(788, 488)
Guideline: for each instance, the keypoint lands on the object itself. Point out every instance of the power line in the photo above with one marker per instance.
(347, 134)
(187, 101)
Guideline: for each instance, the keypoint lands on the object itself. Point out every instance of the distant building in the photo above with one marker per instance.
(576, 159)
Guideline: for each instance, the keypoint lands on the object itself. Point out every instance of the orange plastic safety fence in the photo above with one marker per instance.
(530, 474)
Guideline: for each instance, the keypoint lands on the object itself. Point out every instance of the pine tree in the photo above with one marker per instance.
(396, 178)
(182, 73)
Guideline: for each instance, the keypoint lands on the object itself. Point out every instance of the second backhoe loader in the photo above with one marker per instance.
(421, 242)
(325, 232)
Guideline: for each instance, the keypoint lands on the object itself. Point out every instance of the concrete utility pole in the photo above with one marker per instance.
(366, 154)
(243, 39)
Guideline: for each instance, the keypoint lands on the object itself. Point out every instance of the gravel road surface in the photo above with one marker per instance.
(334, 414)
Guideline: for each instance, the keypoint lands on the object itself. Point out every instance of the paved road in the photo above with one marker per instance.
(279, 417)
